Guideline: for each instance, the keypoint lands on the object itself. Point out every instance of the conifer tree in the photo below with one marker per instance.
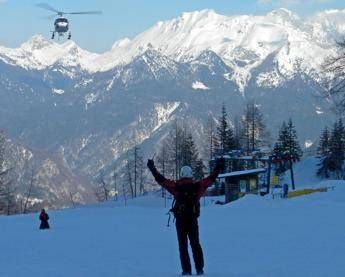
(287, 147)
(190, 156)
(323, 153)
(224, 139)
(337, 149)
(179, 149)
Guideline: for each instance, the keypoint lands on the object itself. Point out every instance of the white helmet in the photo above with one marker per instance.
(186, 172)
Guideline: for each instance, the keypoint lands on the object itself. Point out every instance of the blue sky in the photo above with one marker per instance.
(20, 19)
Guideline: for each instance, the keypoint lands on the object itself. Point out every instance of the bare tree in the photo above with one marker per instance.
(7, 188)
(210, 137)
(31, 182)
(141, 174)
(129, 177)
(335, 88)
(134, 171)
(102, 190)
(71, 198)
(177, 135)
(162, 160)
(9, 197)
(124, 194)
(104, 187)
(253, 131)
(115, 184)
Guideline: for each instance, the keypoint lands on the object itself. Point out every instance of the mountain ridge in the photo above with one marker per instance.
(92, 114)
(185, 37)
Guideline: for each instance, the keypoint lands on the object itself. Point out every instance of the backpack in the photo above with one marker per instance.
(186, 204)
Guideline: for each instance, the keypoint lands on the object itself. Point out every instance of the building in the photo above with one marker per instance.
(243, 175)
(239, 183)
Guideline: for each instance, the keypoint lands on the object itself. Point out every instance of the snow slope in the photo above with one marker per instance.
(305, 174)
(254, 236)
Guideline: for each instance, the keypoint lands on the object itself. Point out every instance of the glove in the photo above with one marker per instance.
(220, 164)
(150, 164)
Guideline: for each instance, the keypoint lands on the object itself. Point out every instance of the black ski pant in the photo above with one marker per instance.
(189, 229)
(44, 224)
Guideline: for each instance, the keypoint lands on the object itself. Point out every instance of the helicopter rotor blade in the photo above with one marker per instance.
(47, 17)
(47, 7)
(88, 12)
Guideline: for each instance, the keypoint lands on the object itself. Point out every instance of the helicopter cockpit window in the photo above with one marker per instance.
(61, 20)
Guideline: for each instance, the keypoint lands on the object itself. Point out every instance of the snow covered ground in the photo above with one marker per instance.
(254, 236)
(305, 175)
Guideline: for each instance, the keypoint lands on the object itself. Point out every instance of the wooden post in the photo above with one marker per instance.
(269, 174)
(292, 175)
(71, 197)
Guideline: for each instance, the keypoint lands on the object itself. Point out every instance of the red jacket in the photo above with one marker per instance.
(170, 185)
(44, 216)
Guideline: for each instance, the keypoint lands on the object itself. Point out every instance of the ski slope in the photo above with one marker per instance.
(255, 236)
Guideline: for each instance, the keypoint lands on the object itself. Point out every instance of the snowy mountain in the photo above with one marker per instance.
(91, 108)
(39, 53)
(243, 42)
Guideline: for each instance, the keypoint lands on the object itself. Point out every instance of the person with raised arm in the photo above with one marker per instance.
(186, 209)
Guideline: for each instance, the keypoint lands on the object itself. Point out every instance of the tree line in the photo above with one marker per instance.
(245, 135)
(331, 152)
(16, 188)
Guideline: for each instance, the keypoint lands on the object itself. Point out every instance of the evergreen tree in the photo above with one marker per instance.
(190, 156)
(323, 153)
(198, 169)
(337, 150)
(224, 140)
(177, 150)
(287, 147)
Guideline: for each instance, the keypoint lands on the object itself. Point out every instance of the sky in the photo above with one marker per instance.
(21, 19)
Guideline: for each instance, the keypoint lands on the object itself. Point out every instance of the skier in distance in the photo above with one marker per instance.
(44, 217)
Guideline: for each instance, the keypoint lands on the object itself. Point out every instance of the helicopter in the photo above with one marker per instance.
(61, 24)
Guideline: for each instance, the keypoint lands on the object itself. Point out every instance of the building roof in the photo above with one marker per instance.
(243, 172)
(245, 158)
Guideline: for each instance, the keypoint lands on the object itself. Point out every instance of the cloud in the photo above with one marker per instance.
(2, 1)
(289, 2)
